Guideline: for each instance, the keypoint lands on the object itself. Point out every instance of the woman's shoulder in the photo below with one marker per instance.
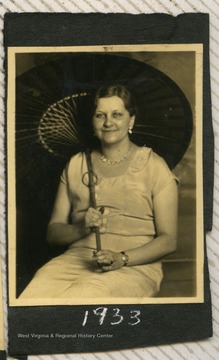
(145, 156)
(150, 163)
(76, 157)
(157, 160)
(159, 172)
(73, 165)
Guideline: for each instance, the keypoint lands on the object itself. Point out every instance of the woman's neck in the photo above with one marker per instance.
(116, 152)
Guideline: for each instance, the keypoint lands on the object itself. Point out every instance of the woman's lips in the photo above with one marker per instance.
(108, 131)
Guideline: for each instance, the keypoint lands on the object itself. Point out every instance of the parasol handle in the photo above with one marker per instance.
(92, 195)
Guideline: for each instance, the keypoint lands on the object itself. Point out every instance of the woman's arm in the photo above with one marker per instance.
(59, 231)
(165, 206)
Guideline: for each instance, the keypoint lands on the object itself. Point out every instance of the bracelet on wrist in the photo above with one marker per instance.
(125, 258)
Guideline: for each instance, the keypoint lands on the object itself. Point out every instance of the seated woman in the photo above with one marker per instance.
(138, 226)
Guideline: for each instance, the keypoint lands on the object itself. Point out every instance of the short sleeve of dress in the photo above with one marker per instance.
(64, 175)
(162, 175)
(74, 165)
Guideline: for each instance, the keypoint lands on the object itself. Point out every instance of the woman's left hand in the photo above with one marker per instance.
(109, 260)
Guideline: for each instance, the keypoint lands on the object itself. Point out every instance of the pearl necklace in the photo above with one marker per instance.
(114, 162)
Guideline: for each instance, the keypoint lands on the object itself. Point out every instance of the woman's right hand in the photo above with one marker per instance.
(94, 218)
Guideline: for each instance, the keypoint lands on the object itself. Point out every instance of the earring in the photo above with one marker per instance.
(130, 130)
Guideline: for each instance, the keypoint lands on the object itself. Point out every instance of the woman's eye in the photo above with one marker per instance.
(99, 116)
(117, 115)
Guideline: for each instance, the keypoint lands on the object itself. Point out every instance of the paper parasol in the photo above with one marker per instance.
(53, 112)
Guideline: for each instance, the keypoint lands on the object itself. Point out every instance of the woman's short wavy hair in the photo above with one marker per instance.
(117, 90)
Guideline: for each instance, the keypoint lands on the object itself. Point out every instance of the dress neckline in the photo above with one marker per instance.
(136, 162)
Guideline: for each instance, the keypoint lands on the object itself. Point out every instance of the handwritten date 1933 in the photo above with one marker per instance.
(113, 316)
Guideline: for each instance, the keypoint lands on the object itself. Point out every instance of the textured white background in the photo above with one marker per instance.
(201, 350)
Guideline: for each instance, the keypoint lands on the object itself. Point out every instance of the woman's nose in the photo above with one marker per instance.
(108, 121)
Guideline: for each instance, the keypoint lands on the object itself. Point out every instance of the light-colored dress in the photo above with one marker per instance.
(130, 224)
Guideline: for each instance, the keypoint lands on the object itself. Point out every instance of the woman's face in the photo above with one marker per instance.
(112, 120)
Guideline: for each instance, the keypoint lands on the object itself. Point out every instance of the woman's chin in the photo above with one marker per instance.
(112, 139)
(109, 140)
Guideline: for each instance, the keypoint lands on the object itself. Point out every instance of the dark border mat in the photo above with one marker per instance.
(161, 324)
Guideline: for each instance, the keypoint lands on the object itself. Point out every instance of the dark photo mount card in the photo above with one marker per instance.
(2, 345)
(54, 64)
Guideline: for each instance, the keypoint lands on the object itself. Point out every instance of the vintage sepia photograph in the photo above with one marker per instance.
(104, 171)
